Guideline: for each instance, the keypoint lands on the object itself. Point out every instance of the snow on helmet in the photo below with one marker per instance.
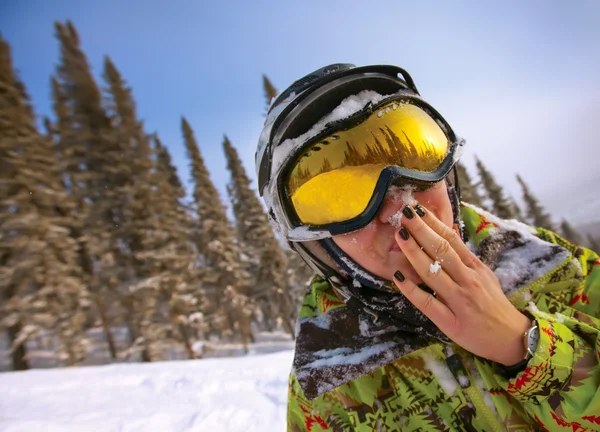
(308, 110)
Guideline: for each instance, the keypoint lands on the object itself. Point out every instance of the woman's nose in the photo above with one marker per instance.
(390, 209)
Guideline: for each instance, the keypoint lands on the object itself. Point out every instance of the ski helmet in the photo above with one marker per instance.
(305, 113)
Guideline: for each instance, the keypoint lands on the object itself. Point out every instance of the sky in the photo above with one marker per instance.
(517, 80)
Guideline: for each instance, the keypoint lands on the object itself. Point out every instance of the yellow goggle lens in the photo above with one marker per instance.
(334, 179)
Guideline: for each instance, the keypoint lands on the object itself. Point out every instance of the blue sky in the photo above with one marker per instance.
(518, 80)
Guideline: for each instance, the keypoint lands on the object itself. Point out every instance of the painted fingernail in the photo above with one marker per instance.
(420, 210)
(403, 233)
(399, 276)
(408, 212)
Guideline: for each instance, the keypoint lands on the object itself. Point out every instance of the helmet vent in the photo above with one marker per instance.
(303, 82)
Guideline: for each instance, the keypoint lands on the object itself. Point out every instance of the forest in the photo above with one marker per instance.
(106, 257)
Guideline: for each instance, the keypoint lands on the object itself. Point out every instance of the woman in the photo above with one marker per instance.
(426, 313)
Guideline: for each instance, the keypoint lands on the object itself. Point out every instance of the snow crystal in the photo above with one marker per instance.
(442, 373)
(483, 389)
(357, 272)
(463, 380)
(512, 224)
(341, 356)
(356, 284)
(354, 241)
(333, 352)
(402, 194)
(560, 317)
(459, 149)
(435, 267)
(371, 226)
(396, 219)
(531, 307)
(521, 266)
(303, 233)
(322, 321)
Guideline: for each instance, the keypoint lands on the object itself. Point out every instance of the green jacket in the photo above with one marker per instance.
(559, 389)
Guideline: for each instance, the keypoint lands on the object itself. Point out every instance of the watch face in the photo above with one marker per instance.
(533, 339)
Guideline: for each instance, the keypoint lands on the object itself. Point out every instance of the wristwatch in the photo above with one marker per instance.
(530, 339)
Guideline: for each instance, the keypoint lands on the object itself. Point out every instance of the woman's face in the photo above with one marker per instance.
(374, 246)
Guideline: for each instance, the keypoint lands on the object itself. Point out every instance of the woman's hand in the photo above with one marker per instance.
(469, 307)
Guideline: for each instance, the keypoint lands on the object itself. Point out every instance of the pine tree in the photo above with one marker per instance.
(270, 91)
(225, 270)
(569, 233)
(499, 204)
(163, 258)
(516, 210)
(299, 278)
(167, 169)
(39, 277)
(255, 233)
(468, 191)
(95, 170)
(535, 212)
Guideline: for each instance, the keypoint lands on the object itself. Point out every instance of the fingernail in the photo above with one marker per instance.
(399, 276)
(420, 210)
(403, 233)
(408, 212)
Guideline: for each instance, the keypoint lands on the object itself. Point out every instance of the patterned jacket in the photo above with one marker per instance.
(444, 387)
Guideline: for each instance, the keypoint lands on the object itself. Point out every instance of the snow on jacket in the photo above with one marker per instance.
(444, 387)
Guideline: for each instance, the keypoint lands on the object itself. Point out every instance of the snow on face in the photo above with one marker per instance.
(404, 194)
(395, 220)
(400, 194)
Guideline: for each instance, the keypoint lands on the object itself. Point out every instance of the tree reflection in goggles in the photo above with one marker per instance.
(334, 179)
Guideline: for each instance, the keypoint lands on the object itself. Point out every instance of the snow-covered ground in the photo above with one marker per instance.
(222, 394)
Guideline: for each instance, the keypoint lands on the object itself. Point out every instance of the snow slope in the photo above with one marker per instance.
(233, 394)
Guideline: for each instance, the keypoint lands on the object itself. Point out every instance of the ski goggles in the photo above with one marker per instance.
(339, 180)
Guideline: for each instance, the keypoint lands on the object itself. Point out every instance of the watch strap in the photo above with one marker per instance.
(512, 371)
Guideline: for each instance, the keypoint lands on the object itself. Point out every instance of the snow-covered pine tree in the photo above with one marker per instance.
(225, 271)
(498, 203)
(535, 212)
(62, 132)
(168, 170)
(94, 172)
(163, 256)
(40, 285)
(268, 260)
(516, 209)
(270, 91)
(299, 274)
(468, 190)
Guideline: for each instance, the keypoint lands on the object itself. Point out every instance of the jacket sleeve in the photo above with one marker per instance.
(560, 388)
